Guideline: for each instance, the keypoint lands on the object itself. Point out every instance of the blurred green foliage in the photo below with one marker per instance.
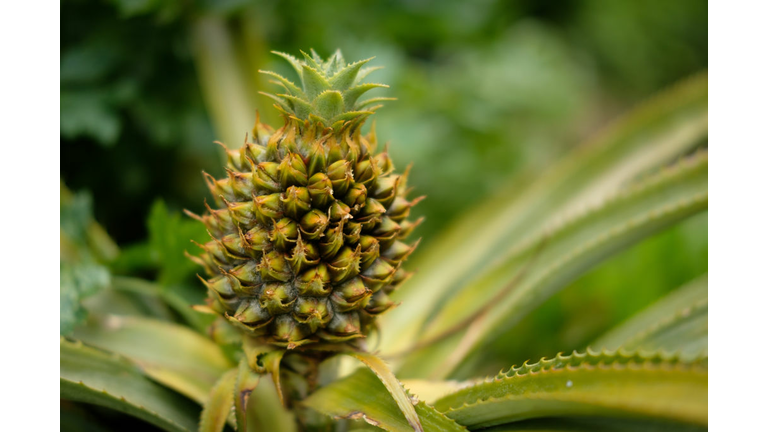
(170, 234)
(601, 299)
(485, 89)
(84, 248)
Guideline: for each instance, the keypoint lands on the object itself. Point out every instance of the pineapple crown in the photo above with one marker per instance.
(330, 90)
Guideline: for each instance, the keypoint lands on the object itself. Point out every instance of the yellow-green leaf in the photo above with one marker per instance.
(536, 269)
(171, 354)
(225, 89)
(581, 424)
(247, 380)
(650, 136)
(676, 323)
(599, 385)
(430, 391)
(92, 376)
(266, 412)
(393, 386)
(362, 395)
(218, 408)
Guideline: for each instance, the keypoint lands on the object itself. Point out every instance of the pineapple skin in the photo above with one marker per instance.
(309, 226)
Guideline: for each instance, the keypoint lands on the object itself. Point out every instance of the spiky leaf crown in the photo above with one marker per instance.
(306, 242)
(330, 89)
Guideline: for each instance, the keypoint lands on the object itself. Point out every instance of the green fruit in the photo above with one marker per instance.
(307, 240)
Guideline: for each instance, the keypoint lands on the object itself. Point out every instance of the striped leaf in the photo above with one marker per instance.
(676, 323)
(171, 354)
(536, 269)
(598, 385)
(650, 136)
(92, 376)
(393, 386)
(362, 395)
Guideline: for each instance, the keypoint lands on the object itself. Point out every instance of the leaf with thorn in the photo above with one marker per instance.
(363, 395)
(617, 385)
(97, 377)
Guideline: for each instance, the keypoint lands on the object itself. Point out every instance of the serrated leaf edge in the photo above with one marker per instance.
(77, 344)
(123, 400)
(587, 360)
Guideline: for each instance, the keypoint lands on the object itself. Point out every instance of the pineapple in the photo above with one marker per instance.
(307, 236)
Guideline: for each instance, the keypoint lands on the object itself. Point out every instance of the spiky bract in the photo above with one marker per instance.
(306, 242)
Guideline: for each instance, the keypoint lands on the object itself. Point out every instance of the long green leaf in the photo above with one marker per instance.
(219, 405)
(602, 385)
(265, 411)
(430, 391)
(92, 376)
(534, 271)
(169, 296)
(577, 424)
(676, 323)
(362, 395)
(245, 383)
(393, 386)
(169, 353)
(114, 301)
(651, 135)
(225, 89)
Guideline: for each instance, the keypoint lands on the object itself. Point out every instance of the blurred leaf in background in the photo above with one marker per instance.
(170, 236)
(133, 124)
(601, 299)
(485, 88)
(162, 259)
(84, 248)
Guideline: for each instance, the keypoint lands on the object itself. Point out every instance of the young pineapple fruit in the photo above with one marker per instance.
(307, 239)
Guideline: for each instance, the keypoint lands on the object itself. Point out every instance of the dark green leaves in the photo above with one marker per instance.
(169, 236)
(83, 245)
(91, 115)
(78, 281)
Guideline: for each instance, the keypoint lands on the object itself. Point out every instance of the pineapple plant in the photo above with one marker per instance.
(308, 234)
(307, 243)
